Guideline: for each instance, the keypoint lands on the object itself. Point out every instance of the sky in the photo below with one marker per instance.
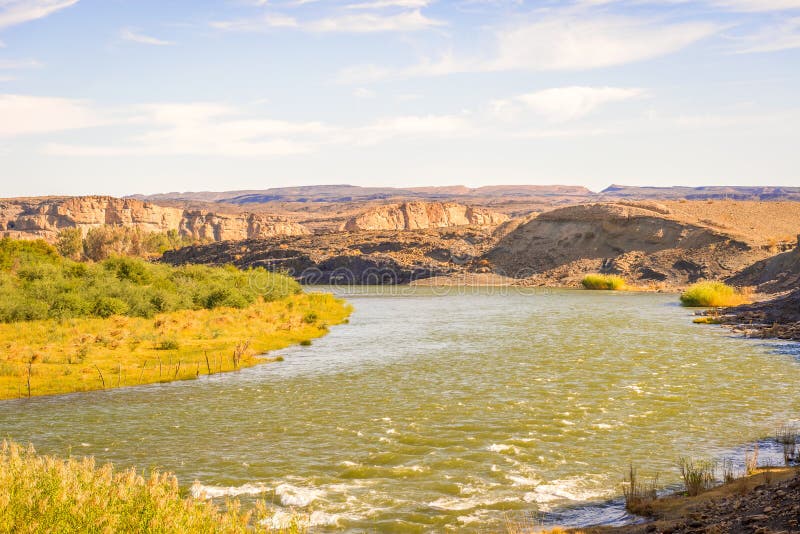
(146, 96)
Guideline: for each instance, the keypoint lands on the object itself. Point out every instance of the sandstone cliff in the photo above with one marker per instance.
(45, 217)
(422, 215)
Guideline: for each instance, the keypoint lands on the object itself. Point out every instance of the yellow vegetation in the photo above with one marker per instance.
(80, 354)
(46, 494)
(603, 281)
(714, 294)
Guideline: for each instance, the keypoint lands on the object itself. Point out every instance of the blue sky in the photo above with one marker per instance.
(127, 96)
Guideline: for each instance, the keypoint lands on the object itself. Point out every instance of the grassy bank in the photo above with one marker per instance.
(67, 326)
(81, 354)
(46, 494)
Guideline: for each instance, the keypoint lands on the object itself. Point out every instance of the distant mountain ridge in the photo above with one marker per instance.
(702, 193)
(352, 193)
(544, 193)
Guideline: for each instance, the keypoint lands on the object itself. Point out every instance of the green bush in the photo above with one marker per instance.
(37, 283)
(603, 281)
(712, 294)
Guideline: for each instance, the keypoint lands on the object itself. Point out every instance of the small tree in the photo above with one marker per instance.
(70, 243)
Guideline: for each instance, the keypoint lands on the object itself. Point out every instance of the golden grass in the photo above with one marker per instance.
(714, 294)
(46, 494)
(63, 356)
(603, 281)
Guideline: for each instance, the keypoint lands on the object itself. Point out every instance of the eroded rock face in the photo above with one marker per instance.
(45, 217)
(422, 215)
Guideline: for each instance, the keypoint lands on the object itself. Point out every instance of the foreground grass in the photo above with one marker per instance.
(603, 281)
(46, 494)
(713, 294)
(80, 354)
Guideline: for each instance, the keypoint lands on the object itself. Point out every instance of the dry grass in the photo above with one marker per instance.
(698, 475)
(639, 494)
(603, 281)
(786, 436)
(713, 294)
(51, 356)
(46, 494)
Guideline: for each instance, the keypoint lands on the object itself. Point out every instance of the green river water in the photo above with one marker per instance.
(437, 410)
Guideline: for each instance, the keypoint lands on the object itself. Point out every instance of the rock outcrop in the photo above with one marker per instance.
(422, 215)
(644, 243)
(45, 217)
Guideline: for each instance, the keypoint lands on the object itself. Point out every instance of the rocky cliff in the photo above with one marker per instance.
(644, 242)
(45, 217)
(422, 215)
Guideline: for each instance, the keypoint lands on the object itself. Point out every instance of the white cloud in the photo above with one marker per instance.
(361, 92)
(758, 5)
(129, 34)
(256, 24)
(13, 12)
(562, 42)
(381, 4)
(568, 103)
(12, 64)
(25, 115)
(361, 23)
(585, 43)
(216, 129)
(414, 127)
(785, 36)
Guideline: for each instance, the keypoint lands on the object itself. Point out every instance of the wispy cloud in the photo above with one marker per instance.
(132, 35)
(784, 36)
(25, 115)
(559, 42)
(13, 12)
(13, 64)
(211, 129)
(382, 4)
(406, 21)
(563, 104)
(758, 5)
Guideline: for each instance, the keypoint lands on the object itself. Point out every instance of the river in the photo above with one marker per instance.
(440, 409)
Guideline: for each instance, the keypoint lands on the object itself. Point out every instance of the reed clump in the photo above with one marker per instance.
(786, 436)
(603, 282)
(697, 475)
(639, 494)
(47, 494)
(712, 295)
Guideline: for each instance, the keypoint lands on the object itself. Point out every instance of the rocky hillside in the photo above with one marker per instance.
(772, 275)
(645, 242)
(377, 257)
(45, 217)
(662, 244)
(422, 215)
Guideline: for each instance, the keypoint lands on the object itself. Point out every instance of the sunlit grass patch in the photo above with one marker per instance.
(47, 494)
(80, 354)
(603, 281)
(713, 294)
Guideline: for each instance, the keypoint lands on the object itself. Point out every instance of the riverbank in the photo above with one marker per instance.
(767, 501)
(82, 354)
(778, 318)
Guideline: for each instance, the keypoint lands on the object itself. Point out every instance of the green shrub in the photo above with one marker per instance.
(712, 294)
(168, 344)
(37, 283)
(603, 281)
